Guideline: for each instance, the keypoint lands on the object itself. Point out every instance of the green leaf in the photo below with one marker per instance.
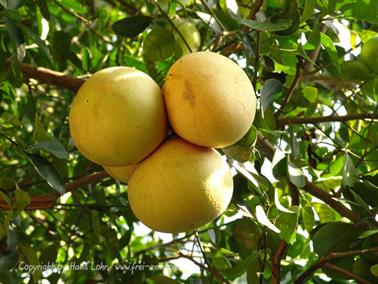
(308, 10)
(279, 165)
(278, 204)
(43, 7)
(270, 88)
(287, 223)
(330, 48)
(131, 26)
(53, 146)
(241, 150)
(22, 199)
(296, 175)
(368, 233)
(39, 132)
(8, 261)
(349, 172)
(48, 172)
(5, 219)
(334, 236)
(30, 257)
(325, 213)
(263, 219)
(14, 31)
(159, 44)
(49, 254)
(60, 47)
(365, 10)
(280, 25)
(308, 218)
(246, 233)
(374, 270)
(96, 225)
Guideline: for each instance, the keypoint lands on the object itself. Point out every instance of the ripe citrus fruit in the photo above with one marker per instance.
(210, 101)
(117, 117)
(369, 54)
(180, 187)
(191, 34)
(121, 173)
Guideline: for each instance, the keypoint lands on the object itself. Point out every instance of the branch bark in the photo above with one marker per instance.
(48, 200)
(333, 255)
(279, 254)
(347, 273)
(331, 118)
(47, 76)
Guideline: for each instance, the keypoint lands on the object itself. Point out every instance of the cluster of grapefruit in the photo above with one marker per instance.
(161, 142)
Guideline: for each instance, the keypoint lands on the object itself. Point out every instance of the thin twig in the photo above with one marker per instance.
(333, 255)
(172, 24)
(330, 118)
(255, 9)
(292, 87)
(347, 273)
(48, 200)
(211, 270)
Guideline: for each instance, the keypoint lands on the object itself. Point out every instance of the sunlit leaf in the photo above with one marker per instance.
(263, 219)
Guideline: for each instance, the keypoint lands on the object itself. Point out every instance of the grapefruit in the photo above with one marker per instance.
(117, 117)
(120, 173)
(180, 187)
(209, 99)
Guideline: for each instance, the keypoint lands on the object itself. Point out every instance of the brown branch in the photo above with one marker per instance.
(47, 76)
(255, 9)
(331, 82)
(276, 262)
(333, 255)
(315, 53)
(48, 200)
(211, 270)
(329, 200)
(292, 87)
(347, 273)
(331, 118)
(276, 258)
(268, 149)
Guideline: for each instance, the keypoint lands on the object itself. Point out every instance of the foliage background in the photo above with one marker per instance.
(305, 206)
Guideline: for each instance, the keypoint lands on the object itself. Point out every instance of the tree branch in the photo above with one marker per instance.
(292, 87)
(333, 255)
(276, 258)
(255, 9)
(347, 273)
(211, 270)
(331, 118)
(47, 76)
(48, 200)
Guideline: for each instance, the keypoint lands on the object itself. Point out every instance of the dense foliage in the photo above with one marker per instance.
(306, 186)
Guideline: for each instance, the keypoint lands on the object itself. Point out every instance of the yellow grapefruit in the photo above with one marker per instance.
(210, 100)
(121, 173)
(180, 187)
(117, 117)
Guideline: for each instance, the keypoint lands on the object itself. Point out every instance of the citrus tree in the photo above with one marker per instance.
(305, 175)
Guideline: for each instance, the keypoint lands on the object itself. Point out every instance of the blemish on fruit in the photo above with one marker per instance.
(188, 94)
